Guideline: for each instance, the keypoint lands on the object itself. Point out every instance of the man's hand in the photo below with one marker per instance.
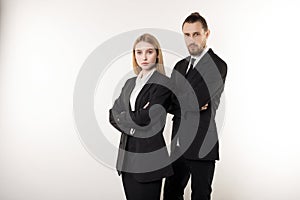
(204, 107)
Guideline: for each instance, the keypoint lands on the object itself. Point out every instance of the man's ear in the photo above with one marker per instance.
(207, 33)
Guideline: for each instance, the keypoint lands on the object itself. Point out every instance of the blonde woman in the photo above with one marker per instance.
(132, 116)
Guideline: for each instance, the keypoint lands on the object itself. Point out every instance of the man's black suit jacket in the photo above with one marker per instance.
(207, 84)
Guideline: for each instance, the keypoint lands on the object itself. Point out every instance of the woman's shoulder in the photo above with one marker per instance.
(161, 76)
(130, 80)
(162, 79)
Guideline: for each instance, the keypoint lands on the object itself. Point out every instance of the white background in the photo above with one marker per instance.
(44, 44)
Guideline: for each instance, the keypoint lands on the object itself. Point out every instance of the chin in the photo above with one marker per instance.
(195, 52)
(147, 67)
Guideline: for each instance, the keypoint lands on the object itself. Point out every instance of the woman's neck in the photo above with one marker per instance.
(146, 72)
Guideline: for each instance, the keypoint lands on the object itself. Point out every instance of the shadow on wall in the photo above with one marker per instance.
(1, 20)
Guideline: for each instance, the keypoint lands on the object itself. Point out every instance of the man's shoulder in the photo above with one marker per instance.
(218, 61)
(182, 62)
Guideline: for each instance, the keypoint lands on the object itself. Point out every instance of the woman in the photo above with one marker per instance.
(140, 119)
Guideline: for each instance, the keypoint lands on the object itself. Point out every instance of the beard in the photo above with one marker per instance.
(195, 50)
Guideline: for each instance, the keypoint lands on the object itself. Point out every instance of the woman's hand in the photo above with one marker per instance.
(146, 105)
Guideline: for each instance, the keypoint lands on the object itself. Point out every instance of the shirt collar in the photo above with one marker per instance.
(197, 58)
(143, 79)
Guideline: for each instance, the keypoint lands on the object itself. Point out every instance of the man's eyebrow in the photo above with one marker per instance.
(192, 33)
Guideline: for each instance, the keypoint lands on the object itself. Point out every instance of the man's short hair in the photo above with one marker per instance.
(196, 17)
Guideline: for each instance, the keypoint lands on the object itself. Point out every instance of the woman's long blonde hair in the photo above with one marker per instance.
(159, 61)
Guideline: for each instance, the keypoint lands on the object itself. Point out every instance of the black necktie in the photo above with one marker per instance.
(191, 67)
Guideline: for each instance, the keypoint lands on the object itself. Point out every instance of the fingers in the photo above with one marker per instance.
(146, 105)
(204, 107)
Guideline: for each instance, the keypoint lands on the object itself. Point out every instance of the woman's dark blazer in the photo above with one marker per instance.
(148, 124)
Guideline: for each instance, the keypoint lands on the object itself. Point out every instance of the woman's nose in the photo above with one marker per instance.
(144, 57)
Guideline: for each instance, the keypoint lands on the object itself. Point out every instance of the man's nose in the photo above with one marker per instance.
(191, 39)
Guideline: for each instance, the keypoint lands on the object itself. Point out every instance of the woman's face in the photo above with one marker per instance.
(145, 55)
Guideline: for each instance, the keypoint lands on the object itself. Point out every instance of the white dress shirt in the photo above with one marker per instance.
(198, 58)
(140, 82)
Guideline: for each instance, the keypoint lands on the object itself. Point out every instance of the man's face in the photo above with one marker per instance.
(195, 37)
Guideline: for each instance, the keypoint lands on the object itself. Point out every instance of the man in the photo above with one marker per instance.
(194, 133)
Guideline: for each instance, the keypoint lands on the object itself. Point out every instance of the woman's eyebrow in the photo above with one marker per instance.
(140, 49)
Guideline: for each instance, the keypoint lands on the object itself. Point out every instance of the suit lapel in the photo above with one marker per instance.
(144, 91)
(182, 69)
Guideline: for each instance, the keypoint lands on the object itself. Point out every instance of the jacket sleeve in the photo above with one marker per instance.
(209, 86)
(155, 111)
(112, 116)
(212, 82)
(173, 104)
(115, 111)
(125, 121)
